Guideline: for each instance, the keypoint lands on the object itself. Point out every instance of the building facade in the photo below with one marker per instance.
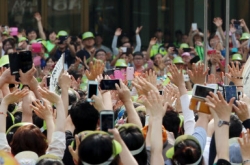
(104, 16)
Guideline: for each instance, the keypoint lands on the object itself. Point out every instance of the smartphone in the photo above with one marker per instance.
(200, 106)
(236, 24)
(62, 39)
(92, 90)
(209, 52)
(13, 31)
(109, 84)
(186, 77)
(201, 92)
(186, 49)
(118, 74)
(20, 60)
(194, 26)
(129, 51)
(130, 73)
(106, 120)
(36, 47)
(230, 91)
(124, 49)
(48, 81)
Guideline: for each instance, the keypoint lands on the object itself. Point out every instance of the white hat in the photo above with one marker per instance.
(26, 158)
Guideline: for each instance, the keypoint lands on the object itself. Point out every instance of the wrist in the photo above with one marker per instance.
(48, 118)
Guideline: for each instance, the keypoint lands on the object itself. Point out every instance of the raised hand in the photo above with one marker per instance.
(151, 77)
(50, 96)
(242, 110)
(245, 146)
(98, 101)
(169, 95)
(15, 96)
(138, 29)
(74, 153)
(6, 77)
(219, 106)
(27, 77)
(235, 73)
(198, 74)
(65, 80)
(123, 92)
(218, 21)
(242, 23)
(41, 109)
(95, 70)
(118, 32)
(232, 28)
(153, 41)
(38, 17)
(176, 76)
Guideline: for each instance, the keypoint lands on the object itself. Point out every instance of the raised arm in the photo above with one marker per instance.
(40, 26)
(118, 32)
(151, 44)
(138, 39)
(244, 25)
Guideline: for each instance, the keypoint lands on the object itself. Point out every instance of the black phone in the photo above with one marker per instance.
(48, 81)
(187, 49)
(161, 92)
(62, 39)
(106, 120)
(109, 84)
(236, 24)
(20, 60)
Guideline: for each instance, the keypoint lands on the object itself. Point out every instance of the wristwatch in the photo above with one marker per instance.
(222, 122)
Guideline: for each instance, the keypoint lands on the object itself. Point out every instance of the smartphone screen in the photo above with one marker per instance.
(13, 61)
(92, 90)
(48, 81)
(109, 84)
(194, 26)
(203, 91)
(161, 92)
(62, 39)
(107, 121)
(230, 92)
(25, 61)
(187, 49)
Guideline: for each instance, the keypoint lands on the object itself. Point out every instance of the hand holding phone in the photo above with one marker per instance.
(201, 91)
(92, 90)
(106, 120)
(194, 26)
(109, 84)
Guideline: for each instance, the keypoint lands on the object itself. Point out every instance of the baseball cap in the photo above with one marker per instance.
(26, 158)
(185, 54)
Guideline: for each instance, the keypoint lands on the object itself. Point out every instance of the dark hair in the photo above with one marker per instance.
(95, 149)
(153, 57)
(47, 59)
(74, 73)
(11, 41)
(134, 139)
(235, 127)
(29, 30)
(171, 122)
(187, 152)
(49, 162)
(99, 50)
(84, 116)
(28, 138)
(142, 117)
(138, 54)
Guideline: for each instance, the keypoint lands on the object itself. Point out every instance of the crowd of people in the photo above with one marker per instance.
(158, 118)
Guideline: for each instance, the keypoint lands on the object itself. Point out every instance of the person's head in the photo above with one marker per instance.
(179, 63)
(49, 159)
(157, 59)
(124, 39)
(31, 34)
(178, 35)
(184, 38)
(84, 116)
(8, 43)
(134, 140)
(101, 55)
(88, 39)
(50, 63)
(126, 44)
(244, 37)
(167, 61)
(98, 40)
(97, 147)
(9, 51)
(138, 59)
(52, 36)
(159, 34)
(186, 150)
(186, 57)
(198, 37)
(171, 122)
(28, 138)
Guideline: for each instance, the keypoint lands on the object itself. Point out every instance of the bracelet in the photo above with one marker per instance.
(2, 113)
(237, 77)
(245, 161)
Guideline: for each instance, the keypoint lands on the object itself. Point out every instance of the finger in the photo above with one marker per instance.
(72, 152)
(231, 102)
(78, 141)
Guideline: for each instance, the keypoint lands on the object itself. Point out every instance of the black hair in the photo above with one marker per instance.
(178, 32)
(187, 152)
(171, 122)
(153, 57)
(138, 54)
(72, 96)
(235, 127)
(47, 59)
(84, 116)
(48, 161)
(9, 121)
(95, 149)
(142, 117)
(134, 139)
(74, 73)
(29, 30)
(100, 50)
(11, 41)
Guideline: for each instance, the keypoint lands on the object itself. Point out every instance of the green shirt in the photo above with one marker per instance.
(50, 46)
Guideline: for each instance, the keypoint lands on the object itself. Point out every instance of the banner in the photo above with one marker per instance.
(56, 73)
